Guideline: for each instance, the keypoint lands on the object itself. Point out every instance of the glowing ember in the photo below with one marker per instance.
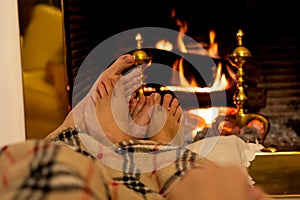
(206, 116)
(149, 89)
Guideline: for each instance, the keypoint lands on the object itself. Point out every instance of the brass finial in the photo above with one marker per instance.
(139, 41)
(140, 56)
(239, 36)
(240, 51)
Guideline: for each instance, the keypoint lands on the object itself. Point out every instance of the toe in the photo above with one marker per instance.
(173, 106)
(156, 98)
(166, 101)
(177, 114)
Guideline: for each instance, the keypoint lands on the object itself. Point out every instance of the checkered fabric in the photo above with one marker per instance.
(62, 168)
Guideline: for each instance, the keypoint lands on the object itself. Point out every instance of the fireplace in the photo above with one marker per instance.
(272, 76)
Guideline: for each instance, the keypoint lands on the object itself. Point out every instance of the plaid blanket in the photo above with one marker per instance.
(63, 168)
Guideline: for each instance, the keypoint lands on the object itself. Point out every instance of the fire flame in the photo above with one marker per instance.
(213, 47)
(164, 45)
(178, 66)
(180, 83)
(220, 81)
(195, 48)
(182, 30)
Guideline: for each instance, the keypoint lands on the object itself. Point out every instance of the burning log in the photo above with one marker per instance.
(191, 100)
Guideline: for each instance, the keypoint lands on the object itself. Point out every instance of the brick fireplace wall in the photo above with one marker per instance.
(278, 62)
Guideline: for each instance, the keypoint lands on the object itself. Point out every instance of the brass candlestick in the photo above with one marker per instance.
(239, 56)
(141, 58)
(249, 126)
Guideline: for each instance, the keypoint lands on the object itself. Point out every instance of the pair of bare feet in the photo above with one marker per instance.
(141, 110)
(149, 118)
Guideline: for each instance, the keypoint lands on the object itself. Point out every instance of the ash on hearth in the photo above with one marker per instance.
(284, 134)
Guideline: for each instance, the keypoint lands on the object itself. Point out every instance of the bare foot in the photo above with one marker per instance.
(103, 105)
(139, 109)
(172, 121)
(140, 112)
(123, 62)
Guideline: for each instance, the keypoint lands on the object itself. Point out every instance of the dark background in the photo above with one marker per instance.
(257, 18)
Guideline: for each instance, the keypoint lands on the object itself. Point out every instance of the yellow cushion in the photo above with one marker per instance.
(43, 39)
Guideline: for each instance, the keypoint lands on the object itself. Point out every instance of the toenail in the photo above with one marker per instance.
(129, 59)
(156, 96)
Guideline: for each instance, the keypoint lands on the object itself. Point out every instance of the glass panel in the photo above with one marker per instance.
(43, 66)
